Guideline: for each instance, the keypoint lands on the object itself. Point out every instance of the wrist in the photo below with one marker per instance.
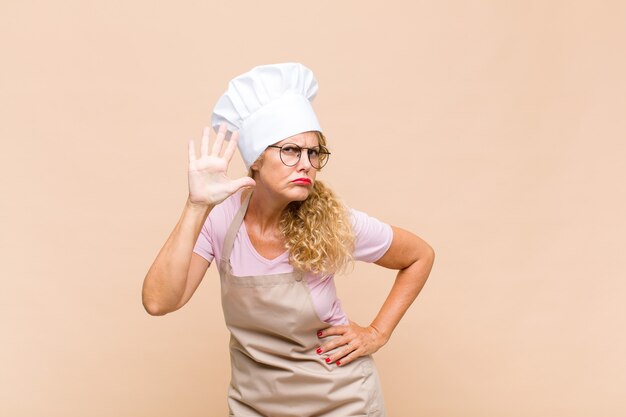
(200, 207)
(381, 333)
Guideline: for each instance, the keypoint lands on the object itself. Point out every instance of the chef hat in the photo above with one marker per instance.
(267, 104)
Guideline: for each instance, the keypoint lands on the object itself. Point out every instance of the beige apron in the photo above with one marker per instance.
(275, 369)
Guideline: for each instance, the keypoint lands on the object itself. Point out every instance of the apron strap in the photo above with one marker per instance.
(229, 241)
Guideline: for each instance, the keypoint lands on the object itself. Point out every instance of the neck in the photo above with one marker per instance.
(264, 211)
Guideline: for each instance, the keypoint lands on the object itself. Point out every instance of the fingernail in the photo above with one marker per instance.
(319, 350)
(319, 334)
(338, 363)
(327, 360)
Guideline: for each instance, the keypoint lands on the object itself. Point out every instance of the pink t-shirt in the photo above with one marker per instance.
(373, 238)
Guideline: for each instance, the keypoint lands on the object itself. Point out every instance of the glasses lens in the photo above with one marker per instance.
(290, 154)
(319, 158)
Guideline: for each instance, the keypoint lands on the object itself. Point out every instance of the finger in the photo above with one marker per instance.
(333, 344)
(192, 151)
(232, 144)
(341, 353)
(204, 146)
(332, 331)
(217, 146)
(349, 358)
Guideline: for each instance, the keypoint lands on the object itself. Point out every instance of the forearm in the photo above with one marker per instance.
(166, 279)
(408, 284)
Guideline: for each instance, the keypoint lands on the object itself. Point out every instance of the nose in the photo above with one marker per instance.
(304, 164)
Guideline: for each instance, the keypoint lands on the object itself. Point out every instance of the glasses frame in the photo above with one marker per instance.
(322, 150)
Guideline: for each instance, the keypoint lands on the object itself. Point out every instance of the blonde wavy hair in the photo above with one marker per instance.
(318, 232)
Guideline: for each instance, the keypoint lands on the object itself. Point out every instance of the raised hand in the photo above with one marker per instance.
(208, 183)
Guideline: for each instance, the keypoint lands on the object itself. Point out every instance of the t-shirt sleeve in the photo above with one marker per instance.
(204, 245)
(373, 237)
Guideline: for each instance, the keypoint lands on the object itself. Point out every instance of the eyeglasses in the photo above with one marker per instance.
(290, 154)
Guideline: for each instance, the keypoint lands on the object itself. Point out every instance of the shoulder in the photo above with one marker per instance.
(372, 236)
(222, 214)
(357, 217)
(361, 220)
(213, 232)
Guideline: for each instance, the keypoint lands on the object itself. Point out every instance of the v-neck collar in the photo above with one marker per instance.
(246, 238)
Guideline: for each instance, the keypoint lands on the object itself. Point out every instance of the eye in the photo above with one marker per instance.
(314, 152)
(290, 149)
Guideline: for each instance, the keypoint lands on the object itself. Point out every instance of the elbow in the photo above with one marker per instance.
(154, 309)
(425, 256)
(153, 301)
(429, 255)
(429, 258)
(158, 309)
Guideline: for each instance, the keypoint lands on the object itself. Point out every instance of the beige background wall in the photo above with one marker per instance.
(494, 130)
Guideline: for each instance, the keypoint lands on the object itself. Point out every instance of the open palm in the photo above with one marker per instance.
(208, 182)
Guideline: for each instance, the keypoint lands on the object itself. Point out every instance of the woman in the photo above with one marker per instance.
(279, 235)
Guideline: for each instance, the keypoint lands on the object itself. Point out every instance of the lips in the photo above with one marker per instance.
(302, 181)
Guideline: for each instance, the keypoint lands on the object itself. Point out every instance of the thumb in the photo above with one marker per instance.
(242, 182)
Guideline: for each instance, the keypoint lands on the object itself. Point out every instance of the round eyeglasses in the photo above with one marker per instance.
(290, 154)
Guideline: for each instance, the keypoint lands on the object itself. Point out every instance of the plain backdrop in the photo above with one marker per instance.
(494, 130)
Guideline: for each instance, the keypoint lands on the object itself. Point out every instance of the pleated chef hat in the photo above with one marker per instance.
(267, 104)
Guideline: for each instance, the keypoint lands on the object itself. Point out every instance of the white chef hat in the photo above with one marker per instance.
(267, 104)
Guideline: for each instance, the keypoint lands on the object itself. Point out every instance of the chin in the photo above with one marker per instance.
(300, 195)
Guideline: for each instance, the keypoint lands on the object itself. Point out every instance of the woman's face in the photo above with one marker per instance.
(291, 183)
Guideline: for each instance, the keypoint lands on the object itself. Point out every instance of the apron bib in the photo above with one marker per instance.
(275, 371)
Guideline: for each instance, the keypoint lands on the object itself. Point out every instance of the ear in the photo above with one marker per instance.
(256, 165)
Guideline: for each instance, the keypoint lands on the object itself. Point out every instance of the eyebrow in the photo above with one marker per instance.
(293, 143)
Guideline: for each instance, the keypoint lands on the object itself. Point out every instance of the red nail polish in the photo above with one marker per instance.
(327, 360)
(319, 334)
(319, 350)
(338, 363)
